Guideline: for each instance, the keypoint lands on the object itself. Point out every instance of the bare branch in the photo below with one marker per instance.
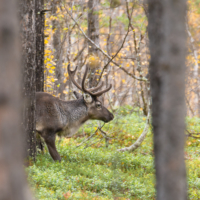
(115, 54)
(193, 135)
(102, 51)
(87, 139)
(84, 141)
(141, 138)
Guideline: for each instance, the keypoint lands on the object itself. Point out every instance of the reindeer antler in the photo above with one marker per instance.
(71, 75)
(89, 91)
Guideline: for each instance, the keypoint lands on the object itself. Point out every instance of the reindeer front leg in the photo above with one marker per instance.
(50, 137)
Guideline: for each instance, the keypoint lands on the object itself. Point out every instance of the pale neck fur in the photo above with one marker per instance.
(75, 114)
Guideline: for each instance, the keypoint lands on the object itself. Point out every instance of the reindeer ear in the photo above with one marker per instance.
(77, 95)
(87, 97)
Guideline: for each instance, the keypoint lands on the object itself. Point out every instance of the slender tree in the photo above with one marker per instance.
(93, 34)
(167, 36)
(27, 12)
(58, 51)
(39, 72)
(13, 184)
(39, 23)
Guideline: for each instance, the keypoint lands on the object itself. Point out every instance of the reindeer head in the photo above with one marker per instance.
(95, 108)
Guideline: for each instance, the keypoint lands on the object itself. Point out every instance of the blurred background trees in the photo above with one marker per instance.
(120, 55)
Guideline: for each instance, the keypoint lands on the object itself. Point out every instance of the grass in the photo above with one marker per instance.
(97, 172)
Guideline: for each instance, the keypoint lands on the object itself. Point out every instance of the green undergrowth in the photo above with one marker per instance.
(96, 170)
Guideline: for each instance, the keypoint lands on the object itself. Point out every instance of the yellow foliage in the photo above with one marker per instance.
(93, 61)
(74, 8)
(66, 74)
(47, 51)
(53, 17)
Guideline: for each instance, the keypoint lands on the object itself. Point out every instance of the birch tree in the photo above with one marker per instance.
(93, 34)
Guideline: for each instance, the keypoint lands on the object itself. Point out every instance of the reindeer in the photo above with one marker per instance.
(55, 116)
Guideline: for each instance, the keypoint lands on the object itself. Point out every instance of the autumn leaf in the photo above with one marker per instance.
(67, 195)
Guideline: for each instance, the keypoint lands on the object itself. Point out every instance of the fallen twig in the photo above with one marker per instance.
(192, 135)
(87, 139)
(141, 138)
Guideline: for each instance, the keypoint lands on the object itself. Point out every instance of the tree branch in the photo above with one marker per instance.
(142, 136)
(103, 52)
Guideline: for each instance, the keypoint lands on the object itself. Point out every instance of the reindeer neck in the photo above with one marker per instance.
(76, 111)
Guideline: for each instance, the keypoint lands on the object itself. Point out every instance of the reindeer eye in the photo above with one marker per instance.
(98, 106)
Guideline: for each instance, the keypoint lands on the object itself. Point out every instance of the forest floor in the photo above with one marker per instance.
(94, 171)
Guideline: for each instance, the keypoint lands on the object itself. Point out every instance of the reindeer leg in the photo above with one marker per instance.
(39, 143)
(50, 138)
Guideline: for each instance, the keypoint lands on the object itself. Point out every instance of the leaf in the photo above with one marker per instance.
(67, 195)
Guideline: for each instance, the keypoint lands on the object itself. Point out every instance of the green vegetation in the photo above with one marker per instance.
(103, 173)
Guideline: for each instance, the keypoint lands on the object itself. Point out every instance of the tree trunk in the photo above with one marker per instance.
(13, 184)
(195, 72)
(93, 34)
(27, 12)
(167, 76)
(58, 51)
(39, 72)
(39, 7)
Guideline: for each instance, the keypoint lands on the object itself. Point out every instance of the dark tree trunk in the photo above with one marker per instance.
(167, 76)
(27, 12)
(39, 7)
(13, 184)
(93, 34)
(39, 72)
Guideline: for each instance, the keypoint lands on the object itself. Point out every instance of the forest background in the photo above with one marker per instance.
(120, 33)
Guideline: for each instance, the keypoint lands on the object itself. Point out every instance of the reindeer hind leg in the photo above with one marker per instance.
(49, 138)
